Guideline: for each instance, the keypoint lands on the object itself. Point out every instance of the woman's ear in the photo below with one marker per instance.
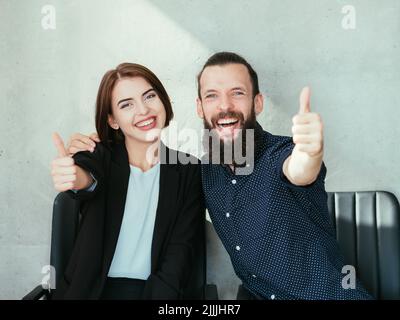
(258, 103)
(112, 123)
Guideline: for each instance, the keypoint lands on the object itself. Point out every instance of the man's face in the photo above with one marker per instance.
(227, 99)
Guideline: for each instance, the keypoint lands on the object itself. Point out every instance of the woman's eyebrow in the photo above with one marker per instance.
(147, 91)
(126, 99)
(144, 93)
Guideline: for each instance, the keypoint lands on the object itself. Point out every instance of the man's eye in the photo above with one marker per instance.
(238, 93)
(210, 96)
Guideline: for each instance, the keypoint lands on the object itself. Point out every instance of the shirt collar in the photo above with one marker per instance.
(260, 145)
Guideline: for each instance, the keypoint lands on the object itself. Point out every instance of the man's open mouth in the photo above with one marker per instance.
(228, 127)
(227, 122)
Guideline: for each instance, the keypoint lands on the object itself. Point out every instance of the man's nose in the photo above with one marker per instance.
(225, 103)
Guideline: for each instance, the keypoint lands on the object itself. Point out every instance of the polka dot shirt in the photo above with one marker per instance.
(279, 236)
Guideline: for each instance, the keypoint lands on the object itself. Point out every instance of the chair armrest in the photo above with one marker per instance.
(36, 294)
(211, 292)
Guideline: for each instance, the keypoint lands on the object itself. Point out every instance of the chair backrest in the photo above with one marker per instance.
(367, 229)
(368, 232)
(65, 226)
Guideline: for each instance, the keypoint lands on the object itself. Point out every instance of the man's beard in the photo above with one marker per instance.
(228, 149)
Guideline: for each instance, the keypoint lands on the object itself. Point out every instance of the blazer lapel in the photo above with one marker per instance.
(116, 197)
(167, 206)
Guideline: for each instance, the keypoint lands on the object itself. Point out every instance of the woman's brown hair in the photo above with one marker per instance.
(106, 134)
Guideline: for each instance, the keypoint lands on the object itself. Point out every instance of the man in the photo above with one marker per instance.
(274, 222)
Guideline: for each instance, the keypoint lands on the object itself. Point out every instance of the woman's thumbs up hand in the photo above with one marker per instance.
(63, 168)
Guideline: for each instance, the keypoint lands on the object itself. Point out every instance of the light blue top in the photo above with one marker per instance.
(132, 257)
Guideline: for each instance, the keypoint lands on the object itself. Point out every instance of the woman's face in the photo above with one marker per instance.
(137, 110)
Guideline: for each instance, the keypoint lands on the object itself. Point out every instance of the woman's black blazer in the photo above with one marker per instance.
(179, 216)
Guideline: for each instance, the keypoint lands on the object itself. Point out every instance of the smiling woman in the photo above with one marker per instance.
(142, 218)
(131, 92)
(139, 111)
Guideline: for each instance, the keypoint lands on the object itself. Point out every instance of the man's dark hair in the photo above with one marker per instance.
(224, 58)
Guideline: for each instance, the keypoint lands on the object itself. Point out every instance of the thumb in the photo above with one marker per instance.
(305, 100)
(59, 143)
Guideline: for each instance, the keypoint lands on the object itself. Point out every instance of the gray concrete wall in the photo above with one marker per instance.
(49, 79)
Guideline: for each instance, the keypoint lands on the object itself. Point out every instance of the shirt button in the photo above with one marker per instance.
(254, 276)
(273, 297)
(228, 215)
(234, 181)
(237, 248)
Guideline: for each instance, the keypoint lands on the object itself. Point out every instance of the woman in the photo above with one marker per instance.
(141, 214)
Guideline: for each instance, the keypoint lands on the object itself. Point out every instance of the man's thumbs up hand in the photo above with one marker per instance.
(305, 100)
(307, 127)
(63, 168)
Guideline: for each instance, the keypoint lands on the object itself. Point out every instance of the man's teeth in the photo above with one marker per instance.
(226, 122)
(145, 123)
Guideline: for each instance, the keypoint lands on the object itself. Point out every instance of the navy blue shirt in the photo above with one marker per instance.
(279, 236)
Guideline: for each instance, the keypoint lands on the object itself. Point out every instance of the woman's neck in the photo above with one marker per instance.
(143, 155)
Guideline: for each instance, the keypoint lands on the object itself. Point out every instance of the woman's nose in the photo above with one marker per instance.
(142, 108)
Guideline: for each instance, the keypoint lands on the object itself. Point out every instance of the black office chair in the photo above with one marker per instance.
(368, 232)
(65, 226)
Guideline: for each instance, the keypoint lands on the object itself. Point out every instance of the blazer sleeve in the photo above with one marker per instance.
(93, 163)
(176, 266)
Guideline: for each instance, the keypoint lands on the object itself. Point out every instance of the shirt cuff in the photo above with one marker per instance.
(285, 154)
(90, 188)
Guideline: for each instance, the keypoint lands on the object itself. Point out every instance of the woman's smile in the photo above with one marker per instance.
(147, 124)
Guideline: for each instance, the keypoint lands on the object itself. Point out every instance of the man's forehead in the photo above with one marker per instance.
(225, 75)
